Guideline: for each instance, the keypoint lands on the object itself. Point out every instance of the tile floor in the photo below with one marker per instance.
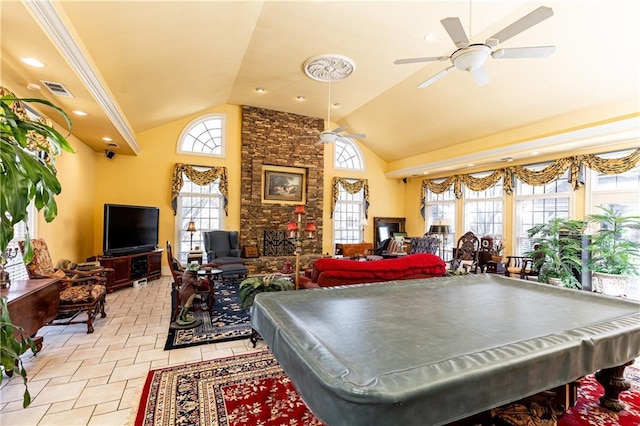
(96, 379)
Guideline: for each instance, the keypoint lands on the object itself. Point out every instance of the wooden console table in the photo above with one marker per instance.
(33, 304)
(350, 250)
(132, 267)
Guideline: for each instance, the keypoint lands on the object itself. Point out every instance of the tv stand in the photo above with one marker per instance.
(131, 267)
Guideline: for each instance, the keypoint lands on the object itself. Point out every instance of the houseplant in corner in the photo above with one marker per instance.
(252, 286)
(27, 173)
(557, 241)
(613, 251)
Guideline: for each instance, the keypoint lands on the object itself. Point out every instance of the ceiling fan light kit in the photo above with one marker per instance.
(472, 57)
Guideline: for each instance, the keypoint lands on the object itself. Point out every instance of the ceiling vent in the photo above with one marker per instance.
(57, 89)
(112, 145)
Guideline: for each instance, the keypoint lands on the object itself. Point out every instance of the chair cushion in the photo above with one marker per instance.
(41, 265)
(82, 294)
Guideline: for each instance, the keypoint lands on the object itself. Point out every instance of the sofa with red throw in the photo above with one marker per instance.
(329, 272)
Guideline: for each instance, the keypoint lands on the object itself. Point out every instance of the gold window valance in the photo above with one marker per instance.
(199, 178)
(352, 186)
(553, 171)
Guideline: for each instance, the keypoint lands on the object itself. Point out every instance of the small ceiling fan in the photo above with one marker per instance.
(330, 136)
(472, 57)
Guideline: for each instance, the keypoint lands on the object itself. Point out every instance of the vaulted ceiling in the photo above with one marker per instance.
(135, 65)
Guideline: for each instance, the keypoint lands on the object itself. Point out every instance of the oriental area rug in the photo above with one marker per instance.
(252, 389)
(228, 321)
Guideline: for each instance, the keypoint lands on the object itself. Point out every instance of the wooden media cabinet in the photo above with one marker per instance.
(132, 267)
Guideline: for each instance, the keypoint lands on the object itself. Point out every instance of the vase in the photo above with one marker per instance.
(610, 284)
(496, 259)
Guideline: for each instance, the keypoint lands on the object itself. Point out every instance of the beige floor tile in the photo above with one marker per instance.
(93, 371)
(118, 354)
(116, 418)
(152, 355)
(82, 354)
(102, 393)
(185, 355)
(110, 340)
(98, 381)
(58, 370)
(107, 407)
(79, 416)
(15, 389)
(27, 417)
(58, 393)
(140, 341)
(61, 406)
(130, 372)
(130, 398)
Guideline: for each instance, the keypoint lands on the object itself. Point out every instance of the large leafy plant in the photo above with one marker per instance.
(613, 250)
(27, 165)
(252, 286)
(11, 349)
(557, 240)
(27, 172)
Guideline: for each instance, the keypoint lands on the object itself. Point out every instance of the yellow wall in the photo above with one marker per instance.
(70, 235)
(146, 179)
(386, 196)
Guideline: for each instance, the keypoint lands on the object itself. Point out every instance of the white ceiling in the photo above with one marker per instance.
(134, 66)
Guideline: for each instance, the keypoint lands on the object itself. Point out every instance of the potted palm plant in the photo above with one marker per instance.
(557, 251)
(614, 251)
(27, 173)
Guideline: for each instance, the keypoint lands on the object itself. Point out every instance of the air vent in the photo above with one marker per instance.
(112, 145)
(57, 89)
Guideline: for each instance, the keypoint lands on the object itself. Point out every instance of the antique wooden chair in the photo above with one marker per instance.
(177, 270)
(465, 255)
(524, 267)
(83, 286)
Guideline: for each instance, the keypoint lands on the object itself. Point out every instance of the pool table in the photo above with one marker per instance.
(432, 351)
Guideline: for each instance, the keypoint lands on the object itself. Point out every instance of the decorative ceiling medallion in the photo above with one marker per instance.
(329, 67)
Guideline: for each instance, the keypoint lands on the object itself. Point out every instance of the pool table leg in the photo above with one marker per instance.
(613, 382)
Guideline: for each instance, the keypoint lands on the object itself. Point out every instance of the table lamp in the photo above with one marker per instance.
(191, 228)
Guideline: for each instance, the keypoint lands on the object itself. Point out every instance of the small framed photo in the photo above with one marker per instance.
(284, 185)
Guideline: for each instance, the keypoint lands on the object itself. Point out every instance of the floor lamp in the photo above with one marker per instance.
(442, 231)
(296, 230)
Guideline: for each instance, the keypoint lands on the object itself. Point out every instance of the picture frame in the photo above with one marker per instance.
(284, 185)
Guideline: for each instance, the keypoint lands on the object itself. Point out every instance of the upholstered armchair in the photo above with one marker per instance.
(84, 289)
(426, 244)
(222, 247)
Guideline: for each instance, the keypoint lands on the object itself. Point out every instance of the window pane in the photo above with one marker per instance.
(347, 217)
(205, 136)
(347, 155)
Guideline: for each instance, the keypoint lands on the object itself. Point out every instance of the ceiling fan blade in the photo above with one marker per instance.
(524, 52)
(355, 135)
(338, 129)
(480, 75)
(522, 24)
(416, 60)
(456, 31)
(438, 76)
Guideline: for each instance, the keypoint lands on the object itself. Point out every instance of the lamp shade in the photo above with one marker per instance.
(191, 227)
(439, 229)
(292, 226)
(299, 209)
(311, 227)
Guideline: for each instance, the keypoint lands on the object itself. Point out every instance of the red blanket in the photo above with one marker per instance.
(387, 269)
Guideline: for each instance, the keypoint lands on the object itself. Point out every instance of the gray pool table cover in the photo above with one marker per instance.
(427, 352)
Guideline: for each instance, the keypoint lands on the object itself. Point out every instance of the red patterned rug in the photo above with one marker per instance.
(252, 389)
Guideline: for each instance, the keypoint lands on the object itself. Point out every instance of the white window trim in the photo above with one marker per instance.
(223, 136)
(357, 150)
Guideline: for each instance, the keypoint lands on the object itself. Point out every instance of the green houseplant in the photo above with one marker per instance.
(252, 286)
(556, 240)
(27, 172)
(613, 250)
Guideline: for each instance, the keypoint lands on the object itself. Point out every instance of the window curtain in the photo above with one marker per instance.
(199, 178)
(351, 186)
(551, 172)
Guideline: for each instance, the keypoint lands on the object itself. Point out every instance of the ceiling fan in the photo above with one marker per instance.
(330, 136)
(472, 57)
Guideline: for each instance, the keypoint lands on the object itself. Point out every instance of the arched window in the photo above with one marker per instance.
(347, 155)
(203, 136)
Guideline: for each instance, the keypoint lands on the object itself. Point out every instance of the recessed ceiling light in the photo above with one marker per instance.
(425, 173)
(107, 139)
(260, 90)
(429, 36)
(80, 113)
(33, 62)
(337, 105)
(534, 153)
(300, 98)
(470, 165)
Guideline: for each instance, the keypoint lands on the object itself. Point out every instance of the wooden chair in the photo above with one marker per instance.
(524, 267)
(83, 287)
(177, 270)
(466, 253)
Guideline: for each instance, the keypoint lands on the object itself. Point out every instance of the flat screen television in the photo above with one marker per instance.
(129, 229)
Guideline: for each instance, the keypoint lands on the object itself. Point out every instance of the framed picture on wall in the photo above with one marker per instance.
(284, 185)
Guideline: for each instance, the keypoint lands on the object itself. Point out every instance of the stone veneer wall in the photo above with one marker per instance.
(274, 138)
